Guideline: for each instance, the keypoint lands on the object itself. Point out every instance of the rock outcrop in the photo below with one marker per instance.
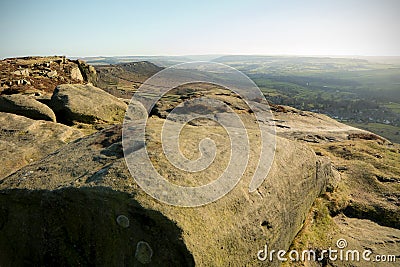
(310, 127)
(89, 182)
(88, 72)
(26, 106)
(87, 104)
(40, 75)
(23, 140)
(76, 203)
(362, 234)
(361, 203)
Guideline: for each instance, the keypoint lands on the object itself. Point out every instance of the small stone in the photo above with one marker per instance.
(123, 221)
(52, 74)
(143, 252)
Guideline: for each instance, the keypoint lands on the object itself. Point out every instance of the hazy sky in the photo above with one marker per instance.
(304, 27)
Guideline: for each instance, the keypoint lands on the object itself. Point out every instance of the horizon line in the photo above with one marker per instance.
(213, 54)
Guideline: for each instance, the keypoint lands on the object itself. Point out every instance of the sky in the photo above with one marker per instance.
(116, 27)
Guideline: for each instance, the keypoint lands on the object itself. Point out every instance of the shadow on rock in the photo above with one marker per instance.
(85, 226)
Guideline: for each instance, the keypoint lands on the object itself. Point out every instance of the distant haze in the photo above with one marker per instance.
(109, 28)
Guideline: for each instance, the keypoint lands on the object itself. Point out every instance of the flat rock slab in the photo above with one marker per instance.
(23, 140)
(362, 234)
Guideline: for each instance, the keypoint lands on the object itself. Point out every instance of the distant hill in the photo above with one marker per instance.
(163, 61)
(123, 79)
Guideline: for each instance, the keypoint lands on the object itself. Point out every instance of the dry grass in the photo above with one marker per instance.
(369, 188)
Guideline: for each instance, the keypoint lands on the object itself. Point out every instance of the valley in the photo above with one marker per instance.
(361, 91)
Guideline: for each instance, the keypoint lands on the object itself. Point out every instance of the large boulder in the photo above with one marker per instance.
(80, 205)
(87, 104)
(23, 140)
(76, 74)
(88, 72)
(26, 106)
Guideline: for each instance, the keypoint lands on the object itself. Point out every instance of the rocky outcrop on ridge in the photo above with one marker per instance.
(78, 178)
(40, 75)
(26, 106)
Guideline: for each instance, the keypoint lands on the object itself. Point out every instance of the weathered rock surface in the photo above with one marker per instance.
(362, 203)
(77, 227)
(88, 72)
(89, 182)
(23, 140)
(42, 74)
(87, 104)
(76, 74)
(81, 206)
(310, 127)
(362, 234)
(26, 106)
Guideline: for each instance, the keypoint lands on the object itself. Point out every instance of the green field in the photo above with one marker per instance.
(361, 92)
